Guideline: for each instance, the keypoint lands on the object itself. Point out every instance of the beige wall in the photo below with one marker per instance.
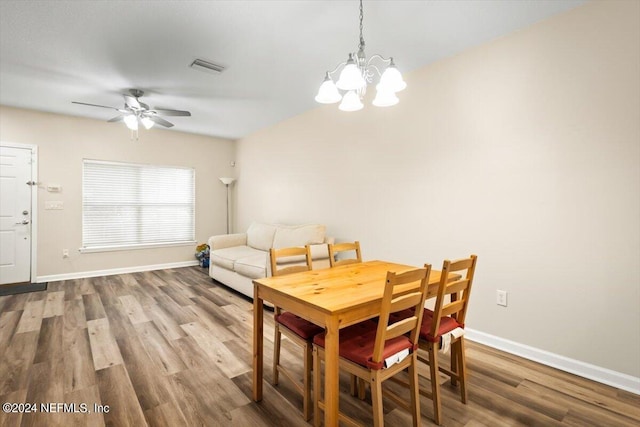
(525, 150)
(64, 141)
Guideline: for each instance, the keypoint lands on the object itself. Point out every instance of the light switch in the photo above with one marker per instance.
(53, 205)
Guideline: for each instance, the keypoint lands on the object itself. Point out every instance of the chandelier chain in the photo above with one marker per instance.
(361, 45)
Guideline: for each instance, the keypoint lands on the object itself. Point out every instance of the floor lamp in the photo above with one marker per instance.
(227, 182)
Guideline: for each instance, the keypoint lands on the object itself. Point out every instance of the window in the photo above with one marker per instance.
(126, 205)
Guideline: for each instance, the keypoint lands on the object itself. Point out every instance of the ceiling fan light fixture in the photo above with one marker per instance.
(206, 66)
(147, 122)
(131, 121)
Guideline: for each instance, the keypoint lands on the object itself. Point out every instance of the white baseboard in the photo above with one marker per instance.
(596, 373)
(125, 270)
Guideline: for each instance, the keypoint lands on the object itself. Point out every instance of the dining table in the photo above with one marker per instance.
(332, 298)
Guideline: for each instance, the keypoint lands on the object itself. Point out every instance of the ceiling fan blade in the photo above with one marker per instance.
(160, 121)
(95, 105)
(117, 118)
(165, 112)
(131, 101)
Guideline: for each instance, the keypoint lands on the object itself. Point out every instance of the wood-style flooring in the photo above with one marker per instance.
(173, 348)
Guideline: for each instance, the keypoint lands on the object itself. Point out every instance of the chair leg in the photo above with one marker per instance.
(462, 369)
(306, 386)
(356, 387)
(376, 400)
(414, 390)
(435, 382)
(454, 365)
(361, 393)
(276, 353)
(353, 384)
(316, 387)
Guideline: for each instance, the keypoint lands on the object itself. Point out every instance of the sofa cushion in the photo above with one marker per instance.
(260, 236)
(298, 235)
(320, 251)
(254, 266)
(227, 257)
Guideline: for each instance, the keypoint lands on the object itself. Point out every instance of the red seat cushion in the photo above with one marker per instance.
(357, 342)
(447, 324)
(303, 328)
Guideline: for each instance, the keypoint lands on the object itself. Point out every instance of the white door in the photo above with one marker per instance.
(15, 214)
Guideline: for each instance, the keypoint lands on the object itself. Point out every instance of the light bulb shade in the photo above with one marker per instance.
(147, 122)
(392, 79)
(131, 121)
(385, 97)
(350, 76)
(351, 102)
(328, 92)
(226, 180)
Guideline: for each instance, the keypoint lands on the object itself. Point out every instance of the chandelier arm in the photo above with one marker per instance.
(375, 68)
(342, 64)
(380, 57)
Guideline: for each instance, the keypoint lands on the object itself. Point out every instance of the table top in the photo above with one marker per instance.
(339, 289)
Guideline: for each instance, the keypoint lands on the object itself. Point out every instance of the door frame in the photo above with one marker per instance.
(34, 203)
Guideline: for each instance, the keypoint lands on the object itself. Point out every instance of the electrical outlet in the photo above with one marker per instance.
(65, 253)
(501, 298)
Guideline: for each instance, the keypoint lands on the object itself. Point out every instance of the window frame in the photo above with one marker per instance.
(142, 244)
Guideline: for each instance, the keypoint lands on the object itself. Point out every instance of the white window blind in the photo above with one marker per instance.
(129, 205)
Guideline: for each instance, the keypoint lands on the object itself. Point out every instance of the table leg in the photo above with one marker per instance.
(258, 348)
(331, 374)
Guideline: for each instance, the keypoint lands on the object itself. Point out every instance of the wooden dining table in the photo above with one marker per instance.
(333, 298)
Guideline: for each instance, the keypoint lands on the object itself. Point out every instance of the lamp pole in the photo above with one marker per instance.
(227, 181)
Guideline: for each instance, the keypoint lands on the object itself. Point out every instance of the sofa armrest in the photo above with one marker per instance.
(227, 241)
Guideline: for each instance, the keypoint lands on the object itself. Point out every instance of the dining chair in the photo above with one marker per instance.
(336, 248)
(356, 387)
(444, 324)
(298, 330)
(376, 351)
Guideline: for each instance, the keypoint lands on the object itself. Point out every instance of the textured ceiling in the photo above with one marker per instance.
(276, 52)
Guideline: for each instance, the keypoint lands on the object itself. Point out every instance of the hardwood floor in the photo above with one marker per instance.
(173, 348)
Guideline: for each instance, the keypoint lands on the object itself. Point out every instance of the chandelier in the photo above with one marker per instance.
(357, 72)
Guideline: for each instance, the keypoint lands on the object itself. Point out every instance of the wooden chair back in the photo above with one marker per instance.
(337, 248)
(406, 290)
(459, 292)
(292, 257)
(277, 255)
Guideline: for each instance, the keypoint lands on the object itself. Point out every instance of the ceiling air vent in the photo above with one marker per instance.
(209, 67)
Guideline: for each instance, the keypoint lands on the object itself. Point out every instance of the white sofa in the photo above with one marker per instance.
(237, 259)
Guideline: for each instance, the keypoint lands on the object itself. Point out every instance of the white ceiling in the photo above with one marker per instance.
(276, 52)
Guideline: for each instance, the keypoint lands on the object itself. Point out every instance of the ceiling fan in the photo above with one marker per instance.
(135, 111)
